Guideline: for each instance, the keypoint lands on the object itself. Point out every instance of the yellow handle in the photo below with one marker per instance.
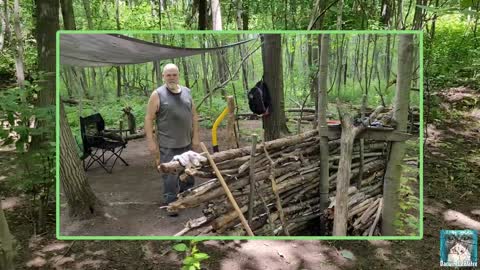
(215, 126)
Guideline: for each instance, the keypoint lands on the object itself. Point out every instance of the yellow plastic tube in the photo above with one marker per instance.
(214, 129)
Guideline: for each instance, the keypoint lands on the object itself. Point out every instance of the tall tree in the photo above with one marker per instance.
(216, 14)
(81, 200)
(275, 122)
(202, 14)
(400, 117)
(47, 24)
(3, 23)
(19, 65)
(119, 71)
(322, 121)
(88, 13)
(68, 14)
(7, 246)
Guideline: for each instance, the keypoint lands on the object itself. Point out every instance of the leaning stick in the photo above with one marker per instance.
(227, 191)
(379, 212)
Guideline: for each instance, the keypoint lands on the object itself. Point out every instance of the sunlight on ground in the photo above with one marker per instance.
(36, 262)
(262, 254)
(460, 220)
(90, 264)
(11, 202)
(54, 247)
(433, 135)
(59, 260)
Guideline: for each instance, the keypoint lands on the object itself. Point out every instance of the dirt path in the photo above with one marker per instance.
(133, 195)
(451, 191)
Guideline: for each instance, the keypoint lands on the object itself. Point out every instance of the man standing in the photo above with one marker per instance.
(171, 107)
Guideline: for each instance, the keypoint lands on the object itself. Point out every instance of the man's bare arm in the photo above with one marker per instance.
(195, 129)
(152, 107)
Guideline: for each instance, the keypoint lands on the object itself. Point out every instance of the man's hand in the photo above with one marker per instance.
(190, 158)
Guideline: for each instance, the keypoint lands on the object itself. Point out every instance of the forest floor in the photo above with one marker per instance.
(451, 191)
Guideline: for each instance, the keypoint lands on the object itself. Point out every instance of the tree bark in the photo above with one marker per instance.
(19, 64)
(216, 15)
(81, 200)
(68, 14)
(46, 27)
(88, 13)
(275, 122)
(7, 244)
(3, 22)
(322, 121)
(400, 116)
(202, 14)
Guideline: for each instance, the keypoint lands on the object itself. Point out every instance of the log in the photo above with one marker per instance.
(227, 191)
(175, 167)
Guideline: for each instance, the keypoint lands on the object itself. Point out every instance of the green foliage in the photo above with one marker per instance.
(454, 54)
(193, 256)
(406, 220)
(31, 130)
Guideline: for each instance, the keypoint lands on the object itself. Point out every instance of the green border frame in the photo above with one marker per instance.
(421, 139)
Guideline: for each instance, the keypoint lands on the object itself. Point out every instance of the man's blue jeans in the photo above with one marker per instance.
(172, 185)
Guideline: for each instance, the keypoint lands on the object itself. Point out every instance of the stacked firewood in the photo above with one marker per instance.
(286, 189)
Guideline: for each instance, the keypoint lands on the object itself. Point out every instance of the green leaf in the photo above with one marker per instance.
(189, 260)
(201, 256)
(180, 247)
(347, 254)
(192, 267)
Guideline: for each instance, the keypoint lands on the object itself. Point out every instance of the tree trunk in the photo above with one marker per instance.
(275, 122)
(68, 14)
(81, 200)
(19, 65)
(202, 14)
(216, 14)
(7, 243)
(322, 121)
(386, 13)
(400, 117)
(239, 14)
(88, 13)
(119, 81)
(418, 16)
(4, 22)
(339, 15)
(343, 176)
(340, 64)
(399, 23)
(46, 27)
(245, 16)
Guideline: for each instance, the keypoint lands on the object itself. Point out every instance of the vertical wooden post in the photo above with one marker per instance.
(252, 178)
(231, 136)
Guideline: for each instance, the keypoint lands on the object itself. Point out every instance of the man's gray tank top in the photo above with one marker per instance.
(174, 118)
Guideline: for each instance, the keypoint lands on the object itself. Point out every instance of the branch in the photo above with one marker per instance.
(229, 79)
(313, 22)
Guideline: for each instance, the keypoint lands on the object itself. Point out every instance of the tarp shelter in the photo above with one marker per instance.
(97, 50)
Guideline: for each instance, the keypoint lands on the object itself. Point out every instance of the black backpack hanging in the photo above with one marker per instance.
(259, 98)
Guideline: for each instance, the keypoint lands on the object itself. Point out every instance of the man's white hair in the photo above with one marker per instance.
(170, 66)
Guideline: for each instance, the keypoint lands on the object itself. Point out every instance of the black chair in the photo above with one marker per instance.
(98, 141)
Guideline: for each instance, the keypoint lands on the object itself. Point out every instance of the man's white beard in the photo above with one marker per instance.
(172, 86)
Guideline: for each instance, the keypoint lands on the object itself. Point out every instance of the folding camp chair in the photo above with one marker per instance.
(98, 141)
